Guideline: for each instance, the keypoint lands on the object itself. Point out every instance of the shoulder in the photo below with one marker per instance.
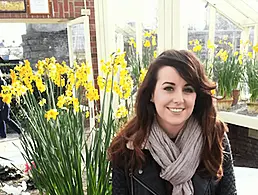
(227, 153)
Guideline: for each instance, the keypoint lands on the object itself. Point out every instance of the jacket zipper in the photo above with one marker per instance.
(131, 178)
(136, 179)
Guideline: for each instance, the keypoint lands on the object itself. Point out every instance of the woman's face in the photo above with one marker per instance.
(174, 100)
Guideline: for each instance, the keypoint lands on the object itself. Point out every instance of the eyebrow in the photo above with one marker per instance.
(171, 83)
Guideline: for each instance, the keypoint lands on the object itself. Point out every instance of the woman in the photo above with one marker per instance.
(175, 144)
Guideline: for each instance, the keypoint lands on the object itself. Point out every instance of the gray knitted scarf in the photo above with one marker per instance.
(178, 160)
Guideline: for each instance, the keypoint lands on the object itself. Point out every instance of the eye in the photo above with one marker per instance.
(189, 89)
(168, 88)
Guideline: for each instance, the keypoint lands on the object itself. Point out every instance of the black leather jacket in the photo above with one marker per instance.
(146, 181)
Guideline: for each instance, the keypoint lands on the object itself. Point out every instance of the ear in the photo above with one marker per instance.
(151, 100)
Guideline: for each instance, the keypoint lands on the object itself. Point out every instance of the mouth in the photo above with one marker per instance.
(176, 110)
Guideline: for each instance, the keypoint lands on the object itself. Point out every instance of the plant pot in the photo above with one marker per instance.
(235, 95)
(224, 104)
(252, 107)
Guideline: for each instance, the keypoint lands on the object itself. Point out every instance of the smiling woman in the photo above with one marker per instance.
(175, 144)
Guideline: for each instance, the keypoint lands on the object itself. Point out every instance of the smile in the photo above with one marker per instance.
(176, 110)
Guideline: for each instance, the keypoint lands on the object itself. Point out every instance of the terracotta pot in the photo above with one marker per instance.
(224, 104)
(235, 95)
(252, 107)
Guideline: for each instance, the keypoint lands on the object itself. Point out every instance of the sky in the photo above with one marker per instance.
(12, 32)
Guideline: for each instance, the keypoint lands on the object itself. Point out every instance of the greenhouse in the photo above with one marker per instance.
(129, 97)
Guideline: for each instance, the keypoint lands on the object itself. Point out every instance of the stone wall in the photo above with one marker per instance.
(244, 144)
(39, 45)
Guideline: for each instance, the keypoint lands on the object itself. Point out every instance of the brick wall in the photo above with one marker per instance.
(93, 41)
(244, 146)
(68, 9)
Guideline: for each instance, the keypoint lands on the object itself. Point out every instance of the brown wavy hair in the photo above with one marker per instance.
(138, 128)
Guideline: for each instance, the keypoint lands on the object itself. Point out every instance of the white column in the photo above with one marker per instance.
(87, 48)
(244, 38)
(183, 34)
(105, 37)
(105, 29)
(255, 35)
(120, 42)
(172, 26)
(139, 37)
(243, 50)
(255, 41)
(212, 23)
(70, 44)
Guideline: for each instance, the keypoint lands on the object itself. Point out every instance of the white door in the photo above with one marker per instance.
(78, 32)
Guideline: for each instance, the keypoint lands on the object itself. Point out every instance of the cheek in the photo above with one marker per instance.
(191, 100)
(161, 99)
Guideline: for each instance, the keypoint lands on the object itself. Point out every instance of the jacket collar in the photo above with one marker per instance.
(130, 146)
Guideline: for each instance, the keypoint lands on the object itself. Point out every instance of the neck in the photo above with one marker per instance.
(171, 130)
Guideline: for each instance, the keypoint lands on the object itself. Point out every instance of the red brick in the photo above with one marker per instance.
(78, 9)
(66, 6)
(91, 3)
(55, 5)
(67, 15)
(79, 4)
(56, 15)
(61, 10)
(77, 14)
(71, 9)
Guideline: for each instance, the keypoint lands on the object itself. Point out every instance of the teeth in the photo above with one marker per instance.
(176, 109)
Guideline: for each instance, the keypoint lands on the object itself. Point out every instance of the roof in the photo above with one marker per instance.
(243, 13)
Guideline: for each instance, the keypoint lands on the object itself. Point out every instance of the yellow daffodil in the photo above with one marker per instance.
(142, 75)
(225, 37)
(147, 43)
(210, 45)
(196, 42)
(92, 94)
(255, 48)
(76, 106)
(153, 41)
(87, 114)
(147, 34)
(101, 82)
(51, 114)
(236, 53)
(7, 98)
(224, 56)
(240, 59)
(42, 102)
(61, 101)
(132, 42)
(250, 55)
(197, 48)
(213, 92)
(121, 112)
(13, 76)
(155, 54)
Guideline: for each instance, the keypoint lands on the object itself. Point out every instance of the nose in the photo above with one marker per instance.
(178, 97)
